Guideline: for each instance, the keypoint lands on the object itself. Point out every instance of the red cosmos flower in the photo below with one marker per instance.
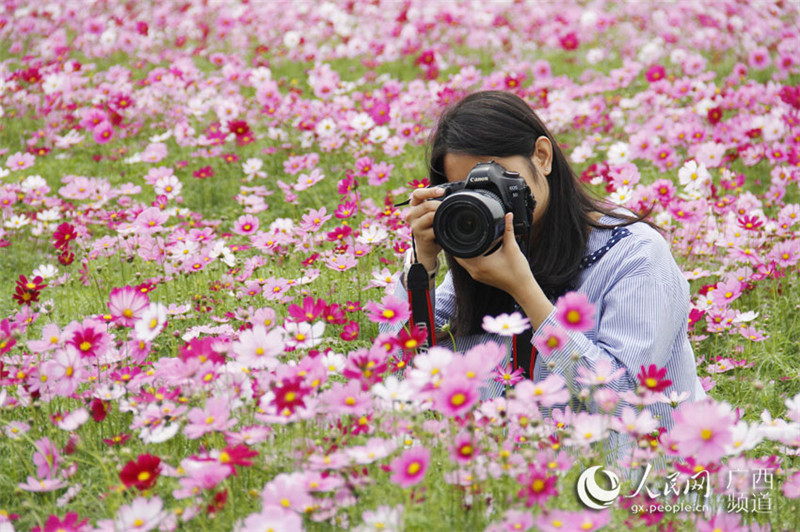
(334, 314)
(230, 157)
(218, 502)
(569, 41)
(203, 173)
(426, 58)
(350, 331)
(410, 340)
(27, 291)
(714, 116)
(99, 409)
(653, 379)
(65, 258)
(237, 456)
(64, 235)
(340, 233)
(142, 473)
(289, 394)
(119, 439)
(419, 183)
(239, 128)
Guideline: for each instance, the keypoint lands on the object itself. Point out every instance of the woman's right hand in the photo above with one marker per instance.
(420, 218)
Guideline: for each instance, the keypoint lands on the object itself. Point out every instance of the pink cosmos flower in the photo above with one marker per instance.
(103, 133)
(70, 523)
(127, 304)
(42, 485)
(200, 476)
(214, 417)
(65, 371)
(246, 224)
(258, 349)
(702, 429)
(507, 375)
(272, 518)
(575, 312)
(89, 338)
(560, 520)
(346, 399)
(505, 324)
(46, 458)
(20, 161)
(548, 392)
(151, 220)
(603, 374)
(391, 310)
(759, 59)
(537, 486)
(141, 515)
(410, 467)
(791, 487)
(549, 339)
(456, 396)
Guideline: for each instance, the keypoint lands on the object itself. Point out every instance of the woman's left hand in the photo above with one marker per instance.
(506, 269)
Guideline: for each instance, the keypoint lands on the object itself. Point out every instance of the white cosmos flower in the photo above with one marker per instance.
(45, 271)
(619, 153)
(372, 235)
(361, 122)
(621, 196)
(505, 324)
(73, 420)
(303, 335)
(151, 323)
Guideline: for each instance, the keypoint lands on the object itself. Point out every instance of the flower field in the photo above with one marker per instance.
(199, 240)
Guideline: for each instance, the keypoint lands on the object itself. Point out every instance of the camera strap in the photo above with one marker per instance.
(523, 354)
(417, 283)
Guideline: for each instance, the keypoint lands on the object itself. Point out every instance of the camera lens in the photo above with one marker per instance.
(465, 225)
(469, 222)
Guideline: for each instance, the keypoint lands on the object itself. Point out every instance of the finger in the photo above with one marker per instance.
(508, 236)
(422, 194)
(418, 211)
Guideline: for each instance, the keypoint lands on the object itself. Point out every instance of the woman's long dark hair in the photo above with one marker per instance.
(500, 124)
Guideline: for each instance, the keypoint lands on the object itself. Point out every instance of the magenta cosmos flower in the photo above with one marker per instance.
(410, 467)
(574, 312)
(456, 396)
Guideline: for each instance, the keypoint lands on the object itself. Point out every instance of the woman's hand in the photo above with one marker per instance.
(507, 269)
(420, 218)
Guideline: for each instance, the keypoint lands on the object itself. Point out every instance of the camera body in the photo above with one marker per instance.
(471, 219)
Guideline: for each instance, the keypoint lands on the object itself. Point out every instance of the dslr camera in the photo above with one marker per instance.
(471, 219)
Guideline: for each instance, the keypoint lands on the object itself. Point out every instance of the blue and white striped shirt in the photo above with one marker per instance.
(641, 301)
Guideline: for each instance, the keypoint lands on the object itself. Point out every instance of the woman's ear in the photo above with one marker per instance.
(543, 155)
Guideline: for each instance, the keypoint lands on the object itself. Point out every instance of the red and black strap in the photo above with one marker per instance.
(419, 295)
(523, 354)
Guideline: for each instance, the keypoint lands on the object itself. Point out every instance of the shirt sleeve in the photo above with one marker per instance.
(637, 326)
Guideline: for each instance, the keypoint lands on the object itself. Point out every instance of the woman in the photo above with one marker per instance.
(618, 261)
